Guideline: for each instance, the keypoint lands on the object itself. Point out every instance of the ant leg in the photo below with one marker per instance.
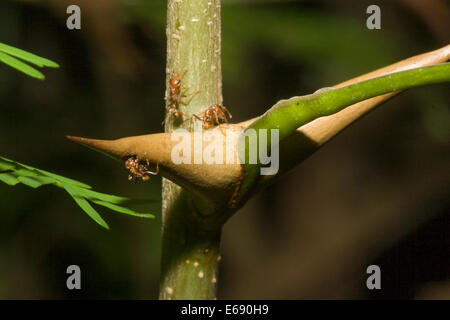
(132, 178)
(183, 73)
(224, 117)
(156, 172)
(216, 117)
(191, 122)
(176, 113)
(192, 95)
(228, 112)
(185, 94)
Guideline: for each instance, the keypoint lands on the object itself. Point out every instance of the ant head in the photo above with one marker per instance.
(130, 160)
(129, 163)
(175, 81)
(216, 107)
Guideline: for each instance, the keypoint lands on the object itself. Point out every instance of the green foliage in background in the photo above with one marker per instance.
(12, 173)
(291, 36)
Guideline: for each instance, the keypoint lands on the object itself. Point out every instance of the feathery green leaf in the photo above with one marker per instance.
(21, 66)
(12, 173)
(84, 204)
(9, 55)
(8, 178)
(27, 56)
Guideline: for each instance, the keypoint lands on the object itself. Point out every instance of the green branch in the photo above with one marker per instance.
(288, 115)
(190, 244)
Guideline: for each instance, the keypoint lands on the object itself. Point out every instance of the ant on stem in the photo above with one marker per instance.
(213, 116)
(176, 95)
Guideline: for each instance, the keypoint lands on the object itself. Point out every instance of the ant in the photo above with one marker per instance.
(213, 116)
(175, 90)
(137, 169)
(175, 95)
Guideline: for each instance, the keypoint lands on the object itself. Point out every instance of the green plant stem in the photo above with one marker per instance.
(288, 115)
(190, 244)
(190, 254)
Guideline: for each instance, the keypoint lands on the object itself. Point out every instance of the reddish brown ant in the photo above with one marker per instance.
(137, 169)
(174, 97)
(213, 116)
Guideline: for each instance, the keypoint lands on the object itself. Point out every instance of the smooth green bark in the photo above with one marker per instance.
(190, 249)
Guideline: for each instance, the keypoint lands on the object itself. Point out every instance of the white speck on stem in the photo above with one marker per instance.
(182, 28)
(175, 36)
(195, 264)
(213, 280)
(213, 68)
(201, 274)
(204, 60)
(195, 20)
(187, 261)
(209, 23)
(219, 257)
(169, 290)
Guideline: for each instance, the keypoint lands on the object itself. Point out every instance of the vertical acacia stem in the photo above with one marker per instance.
(190, 247)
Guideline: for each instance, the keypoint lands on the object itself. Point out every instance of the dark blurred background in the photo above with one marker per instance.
(377, 194)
